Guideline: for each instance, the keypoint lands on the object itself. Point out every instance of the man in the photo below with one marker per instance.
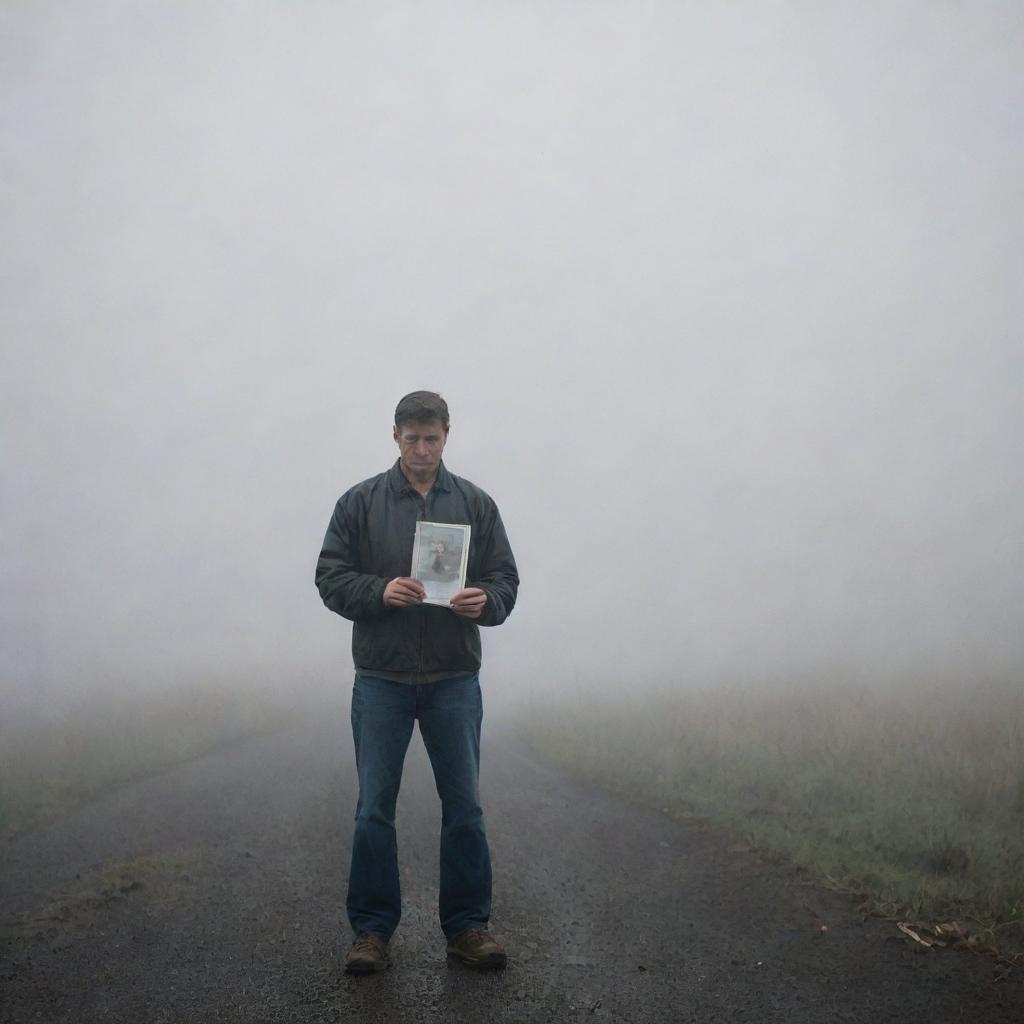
(416, 661)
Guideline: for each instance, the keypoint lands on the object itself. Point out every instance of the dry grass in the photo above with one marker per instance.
(915, 799)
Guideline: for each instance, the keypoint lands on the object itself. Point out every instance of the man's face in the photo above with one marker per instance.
(419, 448)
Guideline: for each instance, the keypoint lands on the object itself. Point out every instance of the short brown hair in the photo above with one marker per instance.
(420, 406)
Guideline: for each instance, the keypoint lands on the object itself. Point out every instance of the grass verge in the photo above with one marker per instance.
(913, 801)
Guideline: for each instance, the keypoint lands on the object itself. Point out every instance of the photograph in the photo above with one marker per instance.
(439, 559)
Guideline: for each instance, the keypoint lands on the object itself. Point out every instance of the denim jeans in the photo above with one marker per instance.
(449, 714)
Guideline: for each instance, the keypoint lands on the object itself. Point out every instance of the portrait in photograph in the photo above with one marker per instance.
(439, 559)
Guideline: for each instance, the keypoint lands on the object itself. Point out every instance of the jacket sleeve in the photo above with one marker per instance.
(497, 573)
(344, 589)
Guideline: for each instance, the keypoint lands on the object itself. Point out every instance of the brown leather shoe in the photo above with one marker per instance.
(369, 953)
(478, 948)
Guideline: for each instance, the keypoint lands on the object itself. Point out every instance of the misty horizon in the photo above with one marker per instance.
(724, 302)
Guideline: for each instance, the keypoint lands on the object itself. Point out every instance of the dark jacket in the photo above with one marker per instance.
(369, 542)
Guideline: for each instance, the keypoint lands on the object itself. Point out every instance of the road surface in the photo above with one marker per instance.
(214, 892)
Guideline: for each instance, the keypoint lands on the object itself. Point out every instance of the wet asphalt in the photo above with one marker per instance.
(214, 892)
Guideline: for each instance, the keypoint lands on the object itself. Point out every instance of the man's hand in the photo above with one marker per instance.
(469, 602)
(404, 591)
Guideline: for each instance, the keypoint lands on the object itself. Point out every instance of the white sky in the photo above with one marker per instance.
(725, 300)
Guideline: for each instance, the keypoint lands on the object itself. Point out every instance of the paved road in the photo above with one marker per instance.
(214, 893)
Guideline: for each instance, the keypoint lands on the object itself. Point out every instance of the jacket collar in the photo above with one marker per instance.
(399, 484)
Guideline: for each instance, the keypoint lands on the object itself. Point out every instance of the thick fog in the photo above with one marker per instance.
(725, 300)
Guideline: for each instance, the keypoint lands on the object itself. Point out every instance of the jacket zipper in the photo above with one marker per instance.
(421, 516)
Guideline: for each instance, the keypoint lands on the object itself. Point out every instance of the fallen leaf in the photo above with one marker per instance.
(907, 930)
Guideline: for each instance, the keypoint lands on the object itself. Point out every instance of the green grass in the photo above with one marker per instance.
(914, 800)
(53, 760)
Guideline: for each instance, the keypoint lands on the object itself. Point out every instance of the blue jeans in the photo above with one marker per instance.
(449, 714)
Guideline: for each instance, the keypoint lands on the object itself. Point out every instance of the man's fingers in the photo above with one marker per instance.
(469, 602)
(408, 583)
(403, 591)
